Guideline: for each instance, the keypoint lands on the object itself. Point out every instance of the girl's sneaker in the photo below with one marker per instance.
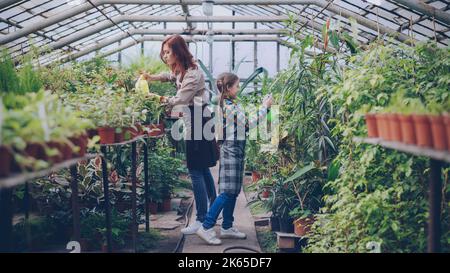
(232, 233)
(191, 229)
(209, 236)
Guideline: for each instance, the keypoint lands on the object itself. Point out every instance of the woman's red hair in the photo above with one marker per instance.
(184, 58)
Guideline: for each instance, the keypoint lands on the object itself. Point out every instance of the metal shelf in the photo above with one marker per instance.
(17, 179)
(407, 148)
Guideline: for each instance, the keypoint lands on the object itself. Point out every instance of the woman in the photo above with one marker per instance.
(192, 97)
(232, 155)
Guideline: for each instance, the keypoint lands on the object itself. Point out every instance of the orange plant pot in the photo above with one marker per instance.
(383, 127)
(156, 129)
(371, 123)
(5, 161)
(394, 127)
(423, 130)
(446, 117)
(303, 226)
(438, 132)
(106, 134)
(255, 176)
(407, 128)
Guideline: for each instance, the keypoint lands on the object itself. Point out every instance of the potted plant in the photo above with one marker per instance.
(264, 185)
(153, 113)
(306, 185)
(303, 221)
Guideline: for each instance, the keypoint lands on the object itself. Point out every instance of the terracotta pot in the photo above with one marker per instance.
(66, 151)
(303, 226)
(423, 130)
(6, 159)
(153, 207)
(438, 132)
(407, 128)
(446, 117)
(36, 150)
(383, 127)
(155, 129)
(119, 137)
(255, 176)
(166, 205)
(106, 135)
(58, 157)
(92, 132)
(131, 133)
(265, 193)
(394, 127)
(371, 123)
(81, 142)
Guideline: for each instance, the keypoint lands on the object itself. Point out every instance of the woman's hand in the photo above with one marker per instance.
(267, 102)
(149, 77)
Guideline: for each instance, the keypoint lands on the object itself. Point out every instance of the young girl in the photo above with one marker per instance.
(201, 153)
(232, 153)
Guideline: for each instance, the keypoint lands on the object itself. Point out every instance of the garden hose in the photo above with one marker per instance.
(188, 212)
(240, 247)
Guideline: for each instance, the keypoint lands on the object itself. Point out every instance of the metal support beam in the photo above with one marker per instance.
(186, 14)
(82, 34)
(6, 3)
(158, 38)
(426, 9)
(135, 18)
(320, 3)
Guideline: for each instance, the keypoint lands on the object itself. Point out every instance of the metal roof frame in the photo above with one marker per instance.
(67, 29)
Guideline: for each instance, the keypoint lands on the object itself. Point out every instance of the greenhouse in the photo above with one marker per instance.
(220, 126)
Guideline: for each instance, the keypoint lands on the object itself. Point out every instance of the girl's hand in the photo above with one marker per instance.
(163, 99)
(267, 102)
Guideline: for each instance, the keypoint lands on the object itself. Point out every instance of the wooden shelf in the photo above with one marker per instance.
(406, 148)
(17, 179)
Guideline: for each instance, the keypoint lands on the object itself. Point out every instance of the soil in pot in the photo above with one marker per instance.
(371, 123)
(6, 158)
(106, 135)
(407, 128)
(395, 130)
(423, 130)
(438, 132)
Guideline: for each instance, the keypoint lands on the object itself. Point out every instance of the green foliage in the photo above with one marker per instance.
(148, 240)
(381, 195)
(9, 81)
